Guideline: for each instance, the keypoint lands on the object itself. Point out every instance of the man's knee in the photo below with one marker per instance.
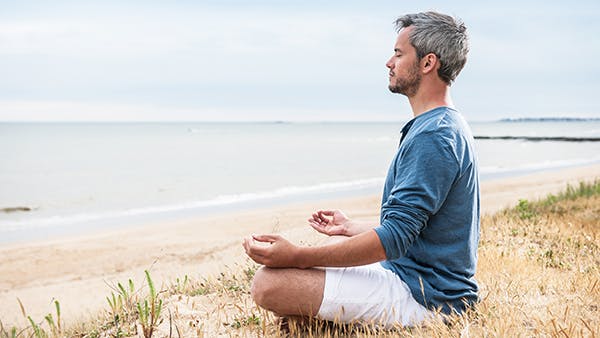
(263, 285)
(288, 291)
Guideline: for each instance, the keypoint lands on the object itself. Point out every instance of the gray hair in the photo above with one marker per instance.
(440, 34)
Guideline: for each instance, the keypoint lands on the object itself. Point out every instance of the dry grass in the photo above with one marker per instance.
(539, 272)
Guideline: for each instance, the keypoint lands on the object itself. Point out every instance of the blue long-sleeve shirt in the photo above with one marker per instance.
(430, 211)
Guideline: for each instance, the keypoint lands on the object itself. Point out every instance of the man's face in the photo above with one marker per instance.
(405, 76)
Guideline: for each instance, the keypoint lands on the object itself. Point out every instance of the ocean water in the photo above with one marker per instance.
(76, 177)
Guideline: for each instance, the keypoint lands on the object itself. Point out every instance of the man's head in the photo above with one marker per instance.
(429, 36)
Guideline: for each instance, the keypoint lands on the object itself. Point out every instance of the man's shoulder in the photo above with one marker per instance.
(446, 130)
(439, 124)
(439, 119)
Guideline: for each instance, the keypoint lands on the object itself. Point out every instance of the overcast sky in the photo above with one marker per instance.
(283, 60)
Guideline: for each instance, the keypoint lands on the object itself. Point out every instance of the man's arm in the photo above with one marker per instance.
(336, 223)
(424, 176)
(361, 249)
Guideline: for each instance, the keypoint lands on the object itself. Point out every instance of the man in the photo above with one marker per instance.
(427, 238)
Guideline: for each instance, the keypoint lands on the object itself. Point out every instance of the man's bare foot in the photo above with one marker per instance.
(294, 324)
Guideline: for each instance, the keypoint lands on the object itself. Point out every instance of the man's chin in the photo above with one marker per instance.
(394, 89)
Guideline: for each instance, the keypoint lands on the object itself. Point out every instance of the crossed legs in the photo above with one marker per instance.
(367, 293)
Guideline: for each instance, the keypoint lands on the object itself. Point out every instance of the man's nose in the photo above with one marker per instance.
(389, 64)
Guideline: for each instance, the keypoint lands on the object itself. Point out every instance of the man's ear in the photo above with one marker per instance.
(429, 63)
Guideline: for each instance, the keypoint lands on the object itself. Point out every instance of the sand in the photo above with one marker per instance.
(80, 271)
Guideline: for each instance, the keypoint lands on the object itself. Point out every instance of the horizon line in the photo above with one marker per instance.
(276, 121)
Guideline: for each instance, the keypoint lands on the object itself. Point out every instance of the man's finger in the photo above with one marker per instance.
(323, 218)
(245, 244)
(250, 245)
(319, 228)
(319, 217)
(256, 250)
(266, 238)
(317, 225)
(326, 230)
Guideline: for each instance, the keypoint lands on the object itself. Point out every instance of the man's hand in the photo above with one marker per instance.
(335, 222)
(279, 253)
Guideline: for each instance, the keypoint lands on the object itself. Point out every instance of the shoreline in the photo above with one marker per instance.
(43, 229)
(78, 270)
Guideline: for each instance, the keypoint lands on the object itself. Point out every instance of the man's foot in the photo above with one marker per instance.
(294, 324)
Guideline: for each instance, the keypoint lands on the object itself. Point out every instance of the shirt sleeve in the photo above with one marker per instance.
(425, 171)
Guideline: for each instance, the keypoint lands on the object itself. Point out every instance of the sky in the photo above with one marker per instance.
(283, 60)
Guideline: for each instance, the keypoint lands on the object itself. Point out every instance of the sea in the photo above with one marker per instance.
(60, 179)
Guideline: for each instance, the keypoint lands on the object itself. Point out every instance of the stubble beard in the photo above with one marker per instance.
(408, 85)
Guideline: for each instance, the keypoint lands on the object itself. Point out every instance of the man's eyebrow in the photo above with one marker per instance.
(397, 50)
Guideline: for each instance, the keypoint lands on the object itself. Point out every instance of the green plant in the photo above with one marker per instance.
(127, 295)
(250, 271)
(181, 285)
(149, 310)
(12, 333)
(115, 303)
(123, 300)
(525, 210)
(252, 319)
(50, 320)
(122, 308)
(38, 332)
(584, 189)
(54, 326)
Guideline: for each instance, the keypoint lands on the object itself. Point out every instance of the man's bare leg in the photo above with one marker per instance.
(289, 292)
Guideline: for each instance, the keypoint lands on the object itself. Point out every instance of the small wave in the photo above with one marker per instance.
(538, 166)
(219, 201)
(541, 138)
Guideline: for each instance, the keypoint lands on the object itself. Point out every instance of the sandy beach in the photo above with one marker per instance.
(80, 271)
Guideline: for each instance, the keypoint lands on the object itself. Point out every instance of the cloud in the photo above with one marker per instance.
(29, 111)
(225, 30)
(134, 57)
(198, 46)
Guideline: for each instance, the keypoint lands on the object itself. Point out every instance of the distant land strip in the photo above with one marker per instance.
(551, 119)
(540, 138)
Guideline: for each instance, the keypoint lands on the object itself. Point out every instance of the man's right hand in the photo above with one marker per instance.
(335, 222)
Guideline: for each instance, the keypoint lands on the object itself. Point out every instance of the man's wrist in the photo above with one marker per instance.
(347, 228)
(302, 257)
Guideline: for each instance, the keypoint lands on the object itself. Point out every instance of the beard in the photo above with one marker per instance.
(408, 85)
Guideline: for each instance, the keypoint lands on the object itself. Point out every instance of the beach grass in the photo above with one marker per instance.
(539, 273)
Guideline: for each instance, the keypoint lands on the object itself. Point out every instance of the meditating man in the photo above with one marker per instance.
(420, 259)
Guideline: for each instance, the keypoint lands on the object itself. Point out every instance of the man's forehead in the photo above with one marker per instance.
(403, 37)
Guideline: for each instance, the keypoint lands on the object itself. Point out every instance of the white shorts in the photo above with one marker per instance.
(369, 294)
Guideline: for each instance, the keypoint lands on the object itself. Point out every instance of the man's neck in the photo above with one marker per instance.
(427, 99)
